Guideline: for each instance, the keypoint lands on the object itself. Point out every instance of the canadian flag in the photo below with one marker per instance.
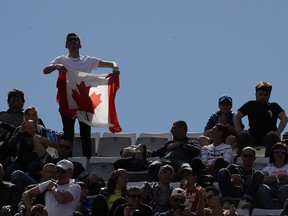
(89, 97)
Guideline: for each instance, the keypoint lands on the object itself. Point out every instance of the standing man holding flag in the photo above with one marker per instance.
(78, 96)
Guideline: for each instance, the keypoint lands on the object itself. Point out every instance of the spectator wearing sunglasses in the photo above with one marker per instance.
(177, 200)
(134, 205)
(210, 203)
(275, 178)
(64, 148)
(262, 116)
(157, 194)
(240, 181)
(63, 194)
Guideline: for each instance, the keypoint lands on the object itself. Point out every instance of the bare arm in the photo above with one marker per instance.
(237, 121)
(283, 121)
(110, 64)
(29, 195)
(41, 143)
(52, 67)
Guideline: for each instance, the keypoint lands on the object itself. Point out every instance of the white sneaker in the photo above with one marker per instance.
(243, 204)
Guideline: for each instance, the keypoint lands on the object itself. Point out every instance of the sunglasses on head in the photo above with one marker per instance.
(61, 146)
(60, 171)
(134, 196)
(181, 200)
(248, 155)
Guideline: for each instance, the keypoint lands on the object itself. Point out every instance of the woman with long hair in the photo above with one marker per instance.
(275, 178)
(112, 195)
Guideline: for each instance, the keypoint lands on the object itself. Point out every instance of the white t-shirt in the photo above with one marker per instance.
(272, 170)
(210, 153)
(83, 63)
(62, 209)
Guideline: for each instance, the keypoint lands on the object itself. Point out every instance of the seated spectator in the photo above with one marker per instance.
(134, 205)
(275, 178)
(223, 116)
(241, 181)
(189, 185)
(22, 139)
(23, 180)
(64, 148)
(84, 207)
(62, 195)
(177, 200)
(217, 155)
(113, 195)
(94, 183)
(157, 194)
(262, 117)
(211, 197)
(38, 210)
(9, 198)
(178, 152)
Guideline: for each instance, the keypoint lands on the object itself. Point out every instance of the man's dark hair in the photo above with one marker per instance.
(73, 35)
(182, 123)
(15, 92)
(213, 189)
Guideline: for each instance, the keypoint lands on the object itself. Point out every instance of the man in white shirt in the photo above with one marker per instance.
(62, 195)
(218, 154)
(76, 62)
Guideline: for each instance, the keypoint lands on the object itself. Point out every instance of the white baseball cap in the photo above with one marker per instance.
(65, 164)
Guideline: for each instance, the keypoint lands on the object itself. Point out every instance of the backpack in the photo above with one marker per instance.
(133, 158)
(136, 151)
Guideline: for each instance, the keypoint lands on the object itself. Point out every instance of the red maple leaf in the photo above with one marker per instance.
(84, 101)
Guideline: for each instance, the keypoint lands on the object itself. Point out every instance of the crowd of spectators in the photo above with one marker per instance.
(34, 182)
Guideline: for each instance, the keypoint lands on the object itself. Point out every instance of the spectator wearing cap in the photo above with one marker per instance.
(77, 62)
(134, 205)
(241, 181)
(177, 200)
(262, 118)
(189, 185)
(178, 152)
(63, 195)
(223, 116)
(111, 196)
(157, 194)
(210, 203)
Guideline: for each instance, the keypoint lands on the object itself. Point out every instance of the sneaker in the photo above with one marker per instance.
(243, 204)
(226, 205)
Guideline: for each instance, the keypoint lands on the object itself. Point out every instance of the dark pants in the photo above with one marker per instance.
(248, 190)
(100, 207)
(85, 134)
(244, 140)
